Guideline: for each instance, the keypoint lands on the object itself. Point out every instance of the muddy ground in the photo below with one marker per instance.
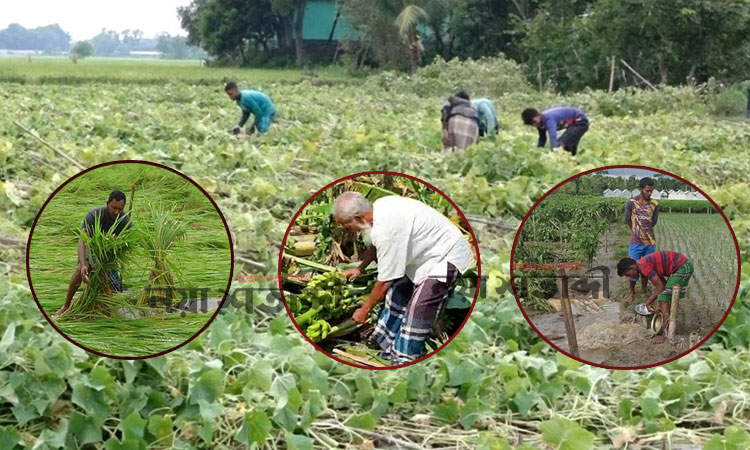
(609, 331)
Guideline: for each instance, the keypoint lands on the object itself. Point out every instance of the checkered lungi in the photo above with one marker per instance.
(114, 276)
(462, 132)
(408, 316)
(682, 277)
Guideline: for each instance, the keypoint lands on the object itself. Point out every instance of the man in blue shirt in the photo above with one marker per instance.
(255, 103)
(573, 120)
(488, 123)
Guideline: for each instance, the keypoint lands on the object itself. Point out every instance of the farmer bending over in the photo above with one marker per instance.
(420, 254)
(107, 216)
(255, 103)
(551, 120)
(665, 269)
(641, 215)
(460, 122)
(488, 123)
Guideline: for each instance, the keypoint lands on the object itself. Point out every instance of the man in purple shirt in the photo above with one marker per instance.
(573, 120)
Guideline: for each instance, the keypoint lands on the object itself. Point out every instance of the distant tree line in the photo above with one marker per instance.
(52, 39)
(566, 44)
(113, 43)
(597, 183)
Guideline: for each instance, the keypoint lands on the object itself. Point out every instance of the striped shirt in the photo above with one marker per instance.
(663, 264)
(643, 219)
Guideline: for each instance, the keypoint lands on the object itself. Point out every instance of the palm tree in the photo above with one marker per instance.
(407, 21)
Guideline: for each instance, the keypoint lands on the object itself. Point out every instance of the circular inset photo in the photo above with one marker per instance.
(379, 270)
(129, 259)
(625, 267)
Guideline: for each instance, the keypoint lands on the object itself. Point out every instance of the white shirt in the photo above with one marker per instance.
(415, 240)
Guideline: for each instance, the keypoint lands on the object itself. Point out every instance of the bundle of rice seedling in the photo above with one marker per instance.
(107, 253)
(158, 237)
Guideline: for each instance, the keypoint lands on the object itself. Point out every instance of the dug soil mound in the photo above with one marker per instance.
(606, 335)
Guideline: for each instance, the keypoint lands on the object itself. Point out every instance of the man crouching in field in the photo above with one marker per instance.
(108, 215)
(460, 122)
(420, 254)
(572, 120)
(255, 103)
(664, 269)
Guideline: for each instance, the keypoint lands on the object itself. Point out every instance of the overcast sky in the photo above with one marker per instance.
(629, 172)
(83, 19)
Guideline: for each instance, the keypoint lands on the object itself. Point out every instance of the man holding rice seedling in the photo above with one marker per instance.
(573, 120)
(665, 269)
(460, 122)
(252, 102)
(641, 215)
(98, 220)
(420, 255)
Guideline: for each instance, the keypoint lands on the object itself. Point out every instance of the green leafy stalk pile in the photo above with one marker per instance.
(107, 252)
(328, 297)
(158, 239)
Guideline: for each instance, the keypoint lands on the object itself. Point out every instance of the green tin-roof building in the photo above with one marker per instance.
(320, 18)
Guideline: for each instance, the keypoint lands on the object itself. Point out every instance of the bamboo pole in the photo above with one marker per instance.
(570, 326)
(132, 196)
(48, 145)
(638, 75)
(539, 76)
(673, 313)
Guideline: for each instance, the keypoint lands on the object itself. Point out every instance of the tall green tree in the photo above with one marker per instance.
(391, 28)
(292, 12)
(407, 21)
(226, 28)
(106, 43)
(665, 41)
(82, 49)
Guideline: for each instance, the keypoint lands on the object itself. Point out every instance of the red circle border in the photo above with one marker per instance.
(598, 169)
(131, 161)
(471, 232)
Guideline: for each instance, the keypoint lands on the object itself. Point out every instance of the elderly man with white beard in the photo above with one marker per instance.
(420, 255)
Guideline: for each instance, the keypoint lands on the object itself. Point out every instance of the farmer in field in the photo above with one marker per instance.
(460, 122)
(255, 103)
(109, 214)
(488, 123)
(665, 269)
(641, 215)
(420, 255)
(573, 120)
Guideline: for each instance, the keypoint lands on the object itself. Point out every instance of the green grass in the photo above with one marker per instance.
(201, 260)
(153, 334)
(58, 70)
(705, 240)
